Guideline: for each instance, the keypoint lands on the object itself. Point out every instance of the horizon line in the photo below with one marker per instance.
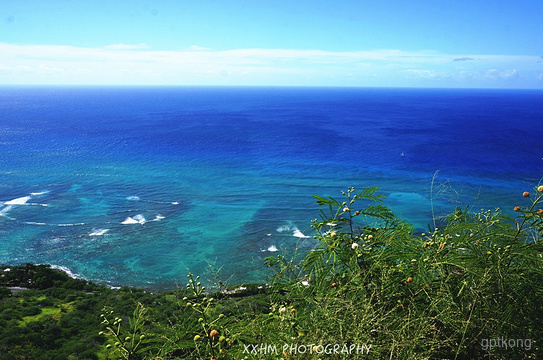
(262, 86)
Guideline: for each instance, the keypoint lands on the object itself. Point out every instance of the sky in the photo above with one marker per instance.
(385, 43)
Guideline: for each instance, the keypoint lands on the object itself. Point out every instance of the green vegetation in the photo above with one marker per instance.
(371, 289)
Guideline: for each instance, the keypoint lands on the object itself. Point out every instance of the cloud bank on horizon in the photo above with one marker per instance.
(279, 43)
(138, 64)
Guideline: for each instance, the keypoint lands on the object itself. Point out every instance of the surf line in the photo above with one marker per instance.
(22, 201)
(137, 198)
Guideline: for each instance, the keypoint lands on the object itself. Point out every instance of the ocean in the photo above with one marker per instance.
(141, 185)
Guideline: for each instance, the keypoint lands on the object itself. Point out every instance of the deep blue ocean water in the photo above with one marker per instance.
(139, 186)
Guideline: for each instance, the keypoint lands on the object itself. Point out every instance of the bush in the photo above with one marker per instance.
(438, 295)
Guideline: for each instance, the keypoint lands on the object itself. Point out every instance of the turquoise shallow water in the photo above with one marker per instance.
(138, 186)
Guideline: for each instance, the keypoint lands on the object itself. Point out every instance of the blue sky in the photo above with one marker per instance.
(448, 43)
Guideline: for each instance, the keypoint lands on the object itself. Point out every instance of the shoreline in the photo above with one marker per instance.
(232, 290)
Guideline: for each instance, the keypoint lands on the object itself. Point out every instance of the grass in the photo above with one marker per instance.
(52, 311)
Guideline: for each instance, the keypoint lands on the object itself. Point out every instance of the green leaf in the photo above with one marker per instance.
(378, 211)
(326, 201)
(369, 193)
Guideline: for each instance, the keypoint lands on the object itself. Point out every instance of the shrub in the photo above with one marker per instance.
(441, 294)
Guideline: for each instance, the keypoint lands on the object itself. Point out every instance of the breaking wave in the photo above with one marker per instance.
(294, 229)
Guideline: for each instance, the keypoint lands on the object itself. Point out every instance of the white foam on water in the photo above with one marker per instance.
(162, 202)
(35, 223)
(284, 228)
(36, 204)
(129, 220)
(5, 210)
(23, 200)
(272, 248)
(159, 217)
(75, 224)
(297, 233)
(19, 201)
(98, 232)
(54, 241)
(133, 198)
(67, 271)
(39, 193)
(138, 219)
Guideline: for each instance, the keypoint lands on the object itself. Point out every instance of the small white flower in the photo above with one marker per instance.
(282, 310)
(354, 246)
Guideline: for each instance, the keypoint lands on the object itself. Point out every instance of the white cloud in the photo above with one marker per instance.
(17, 68)
(138, 64)
(198, 48)
(424, 74)
(126, 47)
(503, 74)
